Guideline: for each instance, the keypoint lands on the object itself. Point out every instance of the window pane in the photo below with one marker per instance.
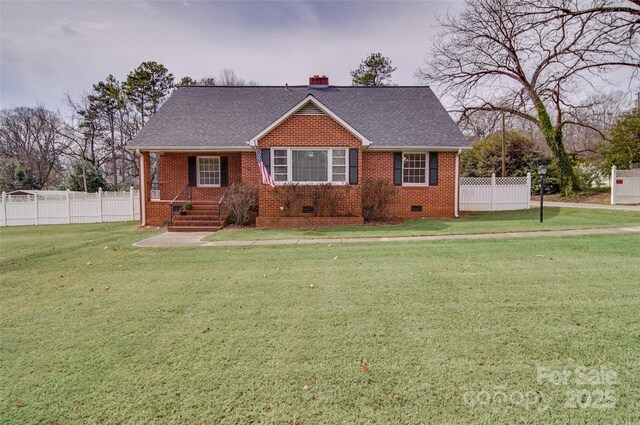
(309, 165)
(414, 168)
(280, 165)
(339, 162)
(209, 171)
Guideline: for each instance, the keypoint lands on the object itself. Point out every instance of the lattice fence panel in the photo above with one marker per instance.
(495, 193)
(69, 207)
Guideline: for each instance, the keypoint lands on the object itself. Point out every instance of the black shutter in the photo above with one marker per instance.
(193, 171)
(266, 159)
(397, 168)
(224, 171)
(353, 166)
(433, 168)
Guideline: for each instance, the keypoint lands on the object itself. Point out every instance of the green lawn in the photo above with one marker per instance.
(489, 222)
(94, 330)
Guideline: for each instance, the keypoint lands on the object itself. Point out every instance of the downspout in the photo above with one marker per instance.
(143, 187)
(456, 213)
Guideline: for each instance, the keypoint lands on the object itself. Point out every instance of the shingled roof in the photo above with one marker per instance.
(201, 117)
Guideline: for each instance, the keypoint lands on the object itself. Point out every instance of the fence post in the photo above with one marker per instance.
(35, 205)
(613, 185)
(4, 208)
(100, 202)
(493, 191)
(68, 206)
(528, 190)
(132, 203)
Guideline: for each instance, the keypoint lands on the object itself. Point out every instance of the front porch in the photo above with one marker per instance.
(186, 191)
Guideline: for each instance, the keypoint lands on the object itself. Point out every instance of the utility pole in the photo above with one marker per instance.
(503, 148)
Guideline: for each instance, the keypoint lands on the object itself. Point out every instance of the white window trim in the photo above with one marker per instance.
(198, 184)
(426, 171)
(329, 164)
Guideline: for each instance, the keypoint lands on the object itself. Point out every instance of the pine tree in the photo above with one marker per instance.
(375, 70)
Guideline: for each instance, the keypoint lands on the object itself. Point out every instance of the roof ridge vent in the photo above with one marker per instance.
(310, 108)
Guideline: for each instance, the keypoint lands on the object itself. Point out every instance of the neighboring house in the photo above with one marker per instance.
(205, 139)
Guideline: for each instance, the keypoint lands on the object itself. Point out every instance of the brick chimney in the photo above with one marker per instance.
(318, 82)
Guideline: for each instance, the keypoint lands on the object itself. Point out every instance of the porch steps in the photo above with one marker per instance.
(202, 217)
(175, 228)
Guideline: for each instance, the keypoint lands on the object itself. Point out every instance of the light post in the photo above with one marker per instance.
(542, 170)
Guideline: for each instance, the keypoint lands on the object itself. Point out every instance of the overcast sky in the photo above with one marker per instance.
(50, 48)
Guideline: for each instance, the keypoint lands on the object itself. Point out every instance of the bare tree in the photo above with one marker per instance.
(601, 111)
(529, 60)
(31, 136)
(228, 77)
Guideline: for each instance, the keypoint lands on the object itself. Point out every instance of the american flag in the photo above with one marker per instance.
(266, 178)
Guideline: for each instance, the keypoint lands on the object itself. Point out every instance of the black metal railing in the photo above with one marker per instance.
(221, 205)
(178, 204)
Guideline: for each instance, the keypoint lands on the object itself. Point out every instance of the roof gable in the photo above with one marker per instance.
(303, 103)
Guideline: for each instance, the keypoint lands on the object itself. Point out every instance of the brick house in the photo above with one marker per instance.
(204, 138)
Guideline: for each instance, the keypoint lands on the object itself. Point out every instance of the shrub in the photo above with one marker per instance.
(551, 180)
(623, 150)
(79, 171)
(376, 198)
(326, 199)
(241, 201)
(335, 199)
(288, 194)
(485, 157)
(15, 176)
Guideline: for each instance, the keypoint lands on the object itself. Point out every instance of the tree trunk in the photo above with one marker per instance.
(553, 136)
(84, 175)
(123, 152)
(114, 157)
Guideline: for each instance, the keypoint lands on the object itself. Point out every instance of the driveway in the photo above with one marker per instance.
(636, 208)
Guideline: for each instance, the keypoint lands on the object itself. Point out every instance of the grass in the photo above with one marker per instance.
(492, 222)
(97, 331)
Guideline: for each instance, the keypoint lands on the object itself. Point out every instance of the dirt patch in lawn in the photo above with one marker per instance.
(602, 198)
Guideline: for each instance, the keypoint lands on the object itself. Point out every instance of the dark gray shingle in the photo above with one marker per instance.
(201, 117)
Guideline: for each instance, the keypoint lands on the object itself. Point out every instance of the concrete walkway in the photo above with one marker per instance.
(194, 239)
(636, 208)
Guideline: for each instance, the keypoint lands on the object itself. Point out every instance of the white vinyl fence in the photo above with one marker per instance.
(495, 193)
(69, 207)
(625, 186)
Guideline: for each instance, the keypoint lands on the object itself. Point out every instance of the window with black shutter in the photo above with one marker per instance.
(433, 168)
(397, 168)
